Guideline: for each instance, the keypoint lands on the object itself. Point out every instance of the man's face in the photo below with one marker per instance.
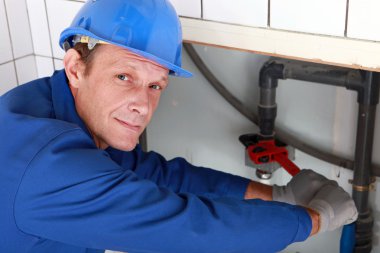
(118, 96)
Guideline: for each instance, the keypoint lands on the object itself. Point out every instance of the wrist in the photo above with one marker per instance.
(315, 221)
(256, 190)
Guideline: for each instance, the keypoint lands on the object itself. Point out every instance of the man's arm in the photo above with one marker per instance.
(256, 190)
(74, 193)
(180, 176)
(328, 205)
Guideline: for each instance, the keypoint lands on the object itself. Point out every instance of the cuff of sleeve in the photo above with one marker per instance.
(237, 187)
(304, 224)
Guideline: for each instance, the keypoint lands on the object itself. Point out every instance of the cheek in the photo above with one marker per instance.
(94, 102)
(154, 101)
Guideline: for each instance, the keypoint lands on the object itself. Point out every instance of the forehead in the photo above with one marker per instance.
(115, 56)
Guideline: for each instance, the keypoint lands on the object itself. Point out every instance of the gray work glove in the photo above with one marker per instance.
(335, 207)
(301, 189)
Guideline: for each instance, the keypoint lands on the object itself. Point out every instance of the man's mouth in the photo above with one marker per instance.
(129, 126)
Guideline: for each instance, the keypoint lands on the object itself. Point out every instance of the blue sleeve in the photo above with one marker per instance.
(74, 193)
(182, 177)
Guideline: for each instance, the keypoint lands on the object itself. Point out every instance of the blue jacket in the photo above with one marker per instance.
(60, 193)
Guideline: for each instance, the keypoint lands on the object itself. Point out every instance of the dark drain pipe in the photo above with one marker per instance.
(368, 98)
(366, 84)
(282, 135)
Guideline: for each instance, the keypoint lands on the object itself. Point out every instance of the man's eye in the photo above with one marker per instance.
(156, 87)
(123, 77)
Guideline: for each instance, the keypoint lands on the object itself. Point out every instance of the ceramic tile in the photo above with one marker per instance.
(244, 12)
(26, 69)
(5, 42)
(188, 8)
(364, 19)
(21, 38)
(60, 15)
(39, 27)
(44, 66)
(58, 64)
(321, 17)
(7, 77)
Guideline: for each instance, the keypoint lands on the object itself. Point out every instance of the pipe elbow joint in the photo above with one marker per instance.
(270, 73)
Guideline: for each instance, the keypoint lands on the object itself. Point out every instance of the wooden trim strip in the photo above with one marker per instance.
(338, 51)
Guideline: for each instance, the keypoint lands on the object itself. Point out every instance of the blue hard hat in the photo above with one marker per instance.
(149, 28)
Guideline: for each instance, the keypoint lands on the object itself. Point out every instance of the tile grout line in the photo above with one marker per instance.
(48, 25)
(31, 35)
(78, 1)
(16, 59)
(268, 21)
(10, 38)
(346, 23)
(201, 9)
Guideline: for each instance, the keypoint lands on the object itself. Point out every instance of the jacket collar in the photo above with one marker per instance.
(63, 101)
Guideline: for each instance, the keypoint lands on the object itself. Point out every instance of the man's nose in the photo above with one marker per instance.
(139, 102)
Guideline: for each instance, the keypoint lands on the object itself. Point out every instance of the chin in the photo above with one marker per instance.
(125, 145)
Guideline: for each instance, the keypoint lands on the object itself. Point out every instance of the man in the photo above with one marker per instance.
(74, 180)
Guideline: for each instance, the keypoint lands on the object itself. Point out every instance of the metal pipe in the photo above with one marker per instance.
(368, 98)
(282, 135)
(366, 84)
(363, 155)
(267, 107)
(323, 74)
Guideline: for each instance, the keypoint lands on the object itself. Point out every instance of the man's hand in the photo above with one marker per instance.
(301, 189)
(334, 206)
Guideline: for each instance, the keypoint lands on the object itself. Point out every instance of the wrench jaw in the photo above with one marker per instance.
(267, 155)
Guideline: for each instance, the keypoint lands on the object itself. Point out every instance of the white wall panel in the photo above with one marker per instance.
(39, 27)
(364, 19)
(60, 15)
(44, 66)
(19, 27)
(188, 8)
(26, 69)
(322, 16)
(300, 107)
(244, 12)
(5, 42)
(8, 78)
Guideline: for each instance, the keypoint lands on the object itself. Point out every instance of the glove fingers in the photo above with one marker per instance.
(306, 184)
(335, 206)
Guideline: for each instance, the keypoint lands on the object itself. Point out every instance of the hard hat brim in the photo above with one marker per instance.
(173, 69)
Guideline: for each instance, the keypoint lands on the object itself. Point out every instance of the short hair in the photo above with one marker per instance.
(87, 55)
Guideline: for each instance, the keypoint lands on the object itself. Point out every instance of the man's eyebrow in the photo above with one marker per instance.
(164, 78)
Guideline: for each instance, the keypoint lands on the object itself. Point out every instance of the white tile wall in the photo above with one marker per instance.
(8, 78)
(26, 69)
(58, 64)
(322, 16)
(44, 66)
(60, 15)
(188, 8)
(244, 12)
(39, 27)
(364, 19)
(19, 27)
(5, 42)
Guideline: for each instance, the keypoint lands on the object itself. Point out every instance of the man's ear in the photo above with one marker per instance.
(74, 67)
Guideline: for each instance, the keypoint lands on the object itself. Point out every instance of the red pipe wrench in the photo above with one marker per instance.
(266, 151)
